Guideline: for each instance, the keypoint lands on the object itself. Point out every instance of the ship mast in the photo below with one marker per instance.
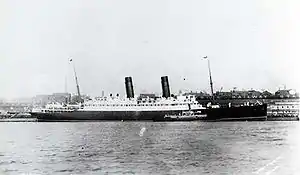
(76, 80)
(210, 78)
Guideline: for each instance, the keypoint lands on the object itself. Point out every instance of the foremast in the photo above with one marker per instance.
(76, 80)
(210, 78)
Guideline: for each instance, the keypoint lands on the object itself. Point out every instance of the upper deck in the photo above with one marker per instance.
(145, 104)
(128, 104)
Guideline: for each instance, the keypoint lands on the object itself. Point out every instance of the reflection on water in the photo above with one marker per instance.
(150, 148)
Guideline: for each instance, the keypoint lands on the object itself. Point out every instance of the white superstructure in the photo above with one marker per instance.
(179, 103)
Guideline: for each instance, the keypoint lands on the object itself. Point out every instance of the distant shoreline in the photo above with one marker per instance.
(250, 100)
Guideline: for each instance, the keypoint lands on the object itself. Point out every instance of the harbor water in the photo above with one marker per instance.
(150, 148)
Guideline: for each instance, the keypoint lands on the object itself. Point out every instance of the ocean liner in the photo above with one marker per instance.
(116, 108)
(165, 108)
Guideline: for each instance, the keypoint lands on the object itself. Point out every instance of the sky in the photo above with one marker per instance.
(250, 44)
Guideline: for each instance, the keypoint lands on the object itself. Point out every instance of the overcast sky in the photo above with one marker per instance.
(251, 44)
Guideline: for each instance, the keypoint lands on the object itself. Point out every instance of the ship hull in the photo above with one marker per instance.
(103, 115)
(241, 113)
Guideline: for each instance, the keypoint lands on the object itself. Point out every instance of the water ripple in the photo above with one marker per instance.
(163, 148)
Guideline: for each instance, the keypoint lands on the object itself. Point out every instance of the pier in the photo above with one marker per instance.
(18, 120)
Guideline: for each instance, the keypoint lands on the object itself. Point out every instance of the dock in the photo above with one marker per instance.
(18, 120)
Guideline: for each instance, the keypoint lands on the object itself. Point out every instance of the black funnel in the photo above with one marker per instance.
(165, 87)
(129, 87)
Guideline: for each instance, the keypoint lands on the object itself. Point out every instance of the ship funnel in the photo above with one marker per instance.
(165, 87)
(129, 87)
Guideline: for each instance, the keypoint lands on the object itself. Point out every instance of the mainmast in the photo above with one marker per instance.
(210, 78)
(76, 80)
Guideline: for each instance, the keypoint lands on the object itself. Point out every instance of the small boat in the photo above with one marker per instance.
(184, 116)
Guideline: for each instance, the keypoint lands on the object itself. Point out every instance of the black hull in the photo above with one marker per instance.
(104, 115)
(241, 113)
